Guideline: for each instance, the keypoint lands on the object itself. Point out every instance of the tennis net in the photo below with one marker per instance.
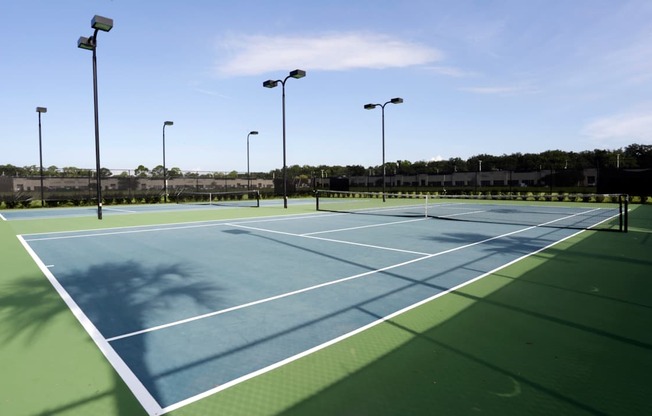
(576, 211)
(229, 198)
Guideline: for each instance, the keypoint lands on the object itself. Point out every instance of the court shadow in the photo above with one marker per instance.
(514, 243)
(525, 348)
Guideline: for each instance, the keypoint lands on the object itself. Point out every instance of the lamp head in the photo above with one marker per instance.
(396, 100)
(298, 73)
(86, 43)
(41, 110)
(168, 123)
(253, 133)
(370, 106)
(270, 83)
(102, 23)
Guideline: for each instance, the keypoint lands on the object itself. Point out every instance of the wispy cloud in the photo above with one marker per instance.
(451, 71)
(633, 62)
(254, 55)
(502, 90)
(625, 128)
(209, 92)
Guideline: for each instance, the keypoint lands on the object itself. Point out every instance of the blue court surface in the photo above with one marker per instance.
(186, 310)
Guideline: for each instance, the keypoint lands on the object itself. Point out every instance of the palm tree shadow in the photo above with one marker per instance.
(117, 297)
(122, 297)
(29, 305)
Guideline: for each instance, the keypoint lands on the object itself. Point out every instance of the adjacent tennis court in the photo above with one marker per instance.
(189, 309)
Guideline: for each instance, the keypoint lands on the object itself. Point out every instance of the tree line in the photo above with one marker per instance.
(634, 156)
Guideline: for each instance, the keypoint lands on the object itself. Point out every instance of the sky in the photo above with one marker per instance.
(477, 77)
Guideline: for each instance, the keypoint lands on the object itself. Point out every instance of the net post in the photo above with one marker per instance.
(317, 199)
(626, 197)
(426, 210)
(620, 212)
(257, 193)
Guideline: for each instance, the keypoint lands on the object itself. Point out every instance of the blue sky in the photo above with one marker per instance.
(494, 77)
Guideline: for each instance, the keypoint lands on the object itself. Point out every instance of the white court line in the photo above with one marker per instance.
(460, 214)
(140, 229)
(59, 235)
(2, 217)
(101, 233)
(361, 227)
(328, 239)
(122, 210)
(168, 227)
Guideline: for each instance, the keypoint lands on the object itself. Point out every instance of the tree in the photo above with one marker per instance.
(454, 164)
(71, 171)
(141, 171)
(641, 154)
(355, 170)
(157, 172)
(404, 167)
(489, 162)
(10, 170)
(52, 171)
(433, 167)
(175, 173)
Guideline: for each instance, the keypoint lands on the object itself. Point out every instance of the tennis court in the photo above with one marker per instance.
(186, 310)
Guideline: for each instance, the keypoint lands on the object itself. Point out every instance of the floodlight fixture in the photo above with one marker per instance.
(397, 100)
(297, 74)
(102, 23)
(41, 110)
(85, 43)
(90, 43)
(270, 83)
(165, 173)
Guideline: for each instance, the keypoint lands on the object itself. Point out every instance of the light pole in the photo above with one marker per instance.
(297, 73)
(248, 177)
(477, 174)
(165, 174)
(104, 24)
(40, 110)
(396, 100)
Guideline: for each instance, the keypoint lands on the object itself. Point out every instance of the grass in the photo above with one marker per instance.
(566, 332)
